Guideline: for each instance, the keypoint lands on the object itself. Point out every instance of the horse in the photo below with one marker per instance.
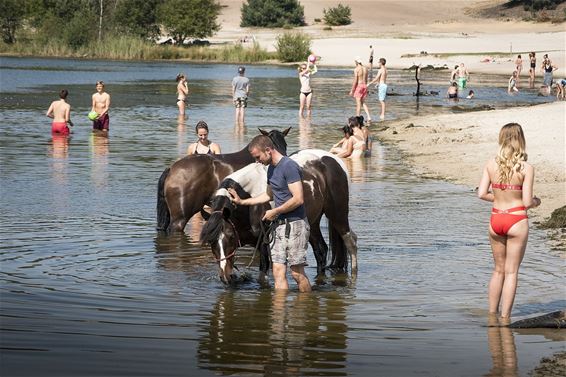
(325, 191)
(187, 185)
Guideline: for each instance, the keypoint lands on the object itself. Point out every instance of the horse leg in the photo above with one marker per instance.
(351, 241)
(319, 247)
(264, 263)
(163, 217)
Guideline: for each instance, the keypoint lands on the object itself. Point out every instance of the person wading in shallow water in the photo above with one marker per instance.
(60, 111)
(101, 105)
(511, 179)
(203, 145)
(285, 187)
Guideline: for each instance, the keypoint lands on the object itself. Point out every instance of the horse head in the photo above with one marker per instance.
(226, 222)
(278, 139)
(220, 233)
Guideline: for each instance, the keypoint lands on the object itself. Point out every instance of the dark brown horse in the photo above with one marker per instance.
(325, 191)
(187, 185)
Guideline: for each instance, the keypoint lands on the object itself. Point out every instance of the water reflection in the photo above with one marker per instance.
(501, 343)
(305, 132)
(276, 333)
(99, 145)
(239, 131)
(177, 252)
(59, 152)
(181, 136)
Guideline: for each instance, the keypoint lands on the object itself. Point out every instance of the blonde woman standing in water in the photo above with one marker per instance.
(511, 179)
(182, 93)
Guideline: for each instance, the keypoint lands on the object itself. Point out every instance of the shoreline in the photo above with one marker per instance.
(455, 147)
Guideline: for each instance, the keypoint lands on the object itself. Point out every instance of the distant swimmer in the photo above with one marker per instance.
(182, 93)
(359, 87)
(60, 111)
(101, 105)
(203, 145)
(471, 94)
(452, 92)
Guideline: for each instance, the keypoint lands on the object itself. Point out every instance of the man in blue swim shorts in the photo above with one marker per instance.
(381, 84)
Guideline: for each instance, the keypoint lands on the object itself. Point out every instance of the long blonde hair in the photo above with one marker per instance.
(511, 151)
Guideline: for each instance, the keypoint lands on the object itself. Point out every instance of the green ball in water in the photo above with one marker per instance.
(93, 115)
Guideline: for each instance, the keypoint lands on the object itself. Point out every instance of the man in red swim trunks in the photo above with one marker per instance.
(60, 111)
(359, 87)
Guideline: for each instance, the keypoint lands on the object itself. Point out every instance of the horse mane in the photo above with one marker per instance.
(212, 228)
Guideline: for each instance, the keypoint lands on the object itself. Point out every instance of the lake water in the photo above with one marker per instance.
(88, 287)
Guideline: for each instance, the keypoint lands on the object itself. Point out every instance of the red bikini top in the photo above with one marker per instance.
(502, 186)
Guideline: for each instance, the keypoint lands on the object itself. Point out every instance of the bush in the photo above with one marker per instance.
(293, 47)
(339, 15)
(272, 13)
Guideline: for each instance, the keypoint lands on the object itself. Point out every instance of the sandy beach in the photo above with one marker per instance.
(399, 31)
(456, 147)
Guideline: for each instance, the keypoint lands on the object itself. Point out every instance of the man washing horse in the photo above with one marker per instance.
(285, 187)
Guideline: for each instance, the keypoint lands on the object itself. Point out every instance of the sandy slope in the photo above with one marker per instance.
(397, 28)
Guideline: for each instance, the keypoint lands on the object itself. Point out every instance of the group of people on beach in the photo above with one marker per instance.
(547, 68)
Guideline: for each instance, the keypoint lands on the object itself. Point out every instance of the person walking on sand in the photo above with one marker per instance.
(381, 80)
(60, 111)
(359, 87)
(518, 67)
(512, 86)
(182, 93)
(463, 76)
(285, 187)
(240, 92)
(101, 105)
(532, 69)
(203, 144)
(511, 179)
(305, 94)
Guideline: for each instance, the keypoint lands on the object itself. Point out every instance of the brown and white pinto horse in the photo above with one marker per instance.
(187, 185)
(325, 191)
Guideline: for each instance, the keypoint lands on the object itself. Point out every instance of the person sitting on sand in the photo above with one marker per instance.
(203, 145)
(512, 87)
(452, 92)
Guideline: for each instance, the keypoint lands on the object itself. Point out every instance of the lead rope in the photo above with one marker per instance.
(265, 236)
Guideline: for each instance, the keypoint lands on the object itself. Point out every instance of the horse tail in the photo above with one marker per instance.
(339, 258)
(163, 216)
(211, 229)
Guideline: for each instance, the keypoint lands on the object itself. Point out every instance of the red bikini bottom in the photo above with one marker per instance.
(501, 220)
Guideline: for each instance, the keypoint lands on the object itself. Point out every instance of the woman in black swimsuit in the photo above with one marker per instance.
(532, 70)
(203, 145)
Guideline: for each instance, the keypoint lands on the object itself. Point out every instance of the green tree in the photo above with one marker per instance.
(272, 13)
(12, 14)
(293, 47)
(136, 17)
(338, 15)
(189, 18)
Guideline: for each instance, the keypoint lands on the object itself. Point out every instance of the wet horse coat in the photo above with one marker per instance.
(188, 185)
(325, 191)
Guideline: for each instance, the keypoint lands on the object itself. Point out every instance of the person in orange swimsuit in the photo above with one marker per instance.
(511, 179)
